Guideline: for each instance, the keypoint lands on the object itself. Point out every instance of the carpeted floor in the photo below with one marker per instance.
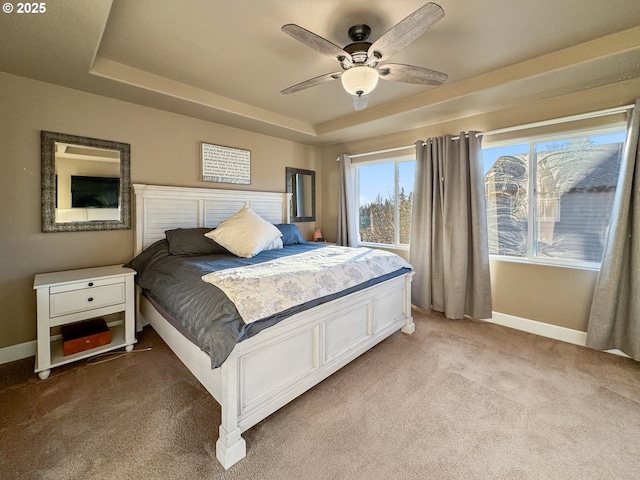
(455, 400)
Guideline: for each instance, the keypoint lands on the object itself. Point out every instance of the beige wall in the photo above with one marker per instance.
(555, 295)
(165, 149)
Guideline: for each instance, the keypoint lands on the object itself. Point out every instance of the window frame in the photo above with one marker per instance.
(396, 160)
(532, 195)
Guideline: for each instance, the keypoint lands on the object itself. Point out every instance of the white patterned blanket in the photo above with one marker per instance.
(264, 289)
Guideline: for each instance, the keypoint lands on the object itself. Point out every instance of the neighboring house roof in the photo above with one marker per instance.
(597, 170)
(582, 180)
(561, 171)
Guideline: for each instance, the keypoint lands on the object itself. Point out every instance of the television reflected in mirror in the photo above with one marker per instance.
(85, 183)
(302, 186)
(94, 192)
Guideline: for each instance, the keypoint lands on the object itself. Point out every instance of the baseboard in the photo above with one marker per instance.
(556, 332)
(540, 328)
(17, 352)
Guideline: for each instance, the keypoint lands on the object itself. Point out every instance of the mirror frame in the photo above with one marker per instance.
(48, 188)
(290, 174)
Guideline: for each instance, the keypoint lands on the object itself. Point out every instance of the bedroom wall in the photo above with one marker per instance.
(165, 149)
(554, 295)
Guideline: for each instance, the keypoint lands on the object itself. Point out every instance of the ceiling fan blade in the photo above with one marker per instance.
(316, 42)
(411, 74)
(360, 102)
(406, 31)
(312, 82)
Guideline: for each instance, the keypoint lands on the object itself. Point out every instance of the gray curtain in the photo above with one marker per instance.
(449, 240)
(614, 321)
(347, 215)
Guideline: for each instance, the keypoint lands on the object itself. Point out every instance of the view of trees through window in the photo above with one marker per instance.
(385, 192)
(566, 216)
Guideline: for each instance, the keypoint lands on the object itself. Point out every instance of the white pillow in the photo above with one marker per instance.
(275, 245)
(245, 234)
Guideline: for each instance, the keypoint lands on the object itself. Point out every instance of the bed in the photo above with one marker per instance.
(279, 362)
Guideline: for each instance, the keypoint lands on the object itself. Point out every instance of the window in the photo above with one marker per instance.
(385, 193)
(550, 200)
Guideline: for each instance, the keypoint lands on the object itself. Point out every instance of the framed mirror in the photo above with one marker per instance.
(302, 185)
(85, 183)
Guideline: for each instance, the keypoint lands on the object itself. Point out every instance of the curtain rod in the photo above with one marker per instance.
(544, 123)
(388, 150)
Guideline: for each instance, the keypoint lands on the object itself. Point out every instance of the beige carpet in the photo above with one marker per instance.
(456, 400)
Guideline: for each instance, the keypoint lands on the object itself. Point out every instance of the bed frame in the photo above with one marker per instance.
(268, 370)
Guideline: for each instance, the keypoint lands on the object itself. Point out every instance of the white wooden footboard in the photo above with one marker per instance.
(272, 368)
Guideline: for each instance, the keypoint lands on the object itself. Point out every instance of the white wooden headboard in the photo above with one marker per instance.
(161, 208)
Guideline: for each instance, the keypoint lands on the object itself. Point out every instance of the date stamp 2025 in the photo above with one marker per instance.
(25, 8)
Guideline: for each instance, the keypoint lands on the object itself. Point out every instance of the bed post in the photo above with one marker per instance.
(230, 447)
(409, 327)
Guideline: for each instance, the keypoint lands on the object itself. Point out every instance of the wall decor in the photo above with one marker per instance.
(302, 186)
(85, 183)
(225, 164)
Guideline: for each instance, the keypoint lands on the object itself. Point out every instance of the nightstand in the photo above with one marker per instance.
(74, 295)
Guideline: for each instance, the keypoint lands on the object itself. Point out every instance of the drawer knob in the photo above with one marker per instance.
(91, 284)
(90, 299)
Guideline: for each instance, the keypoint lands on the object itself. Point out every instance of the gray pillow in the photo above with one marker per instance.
(191, 241)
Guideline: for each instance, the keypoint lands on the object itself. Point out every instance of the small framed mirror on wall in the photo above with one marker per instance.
(302, 186)
(85, 183)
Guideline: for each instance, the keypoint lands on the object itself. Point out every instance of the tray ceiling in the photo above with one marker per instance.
(226, 62)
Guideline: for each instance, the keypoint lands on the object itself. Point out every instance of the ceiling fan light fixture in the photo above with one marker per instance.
(359, 80)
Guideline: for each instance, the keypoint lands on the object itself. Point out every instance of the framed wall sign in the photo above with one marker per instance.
(225, 164)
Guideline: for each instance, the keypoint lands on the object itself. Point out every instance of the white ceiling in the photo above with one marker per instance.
(226, 61)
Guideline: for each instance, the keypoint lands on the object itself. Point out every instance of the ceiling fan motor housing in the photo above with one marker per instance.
(359, 47)
(358, 51)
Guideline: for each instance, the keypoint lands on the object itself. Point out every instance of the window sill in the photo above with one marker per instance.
(385, 246)
(548, 263)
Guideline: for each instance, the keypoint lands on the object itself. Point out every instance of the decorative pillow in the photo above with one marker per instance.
(245, 234)
(275, 245)
(290, 234)
(191, 241)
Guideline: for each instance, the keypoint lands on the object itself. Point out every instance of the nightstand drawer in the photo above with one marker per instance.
(85, 299)
(85, 284)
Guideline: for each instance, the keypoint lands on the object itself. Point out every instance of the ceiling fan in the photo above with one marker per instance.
(360, 60)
